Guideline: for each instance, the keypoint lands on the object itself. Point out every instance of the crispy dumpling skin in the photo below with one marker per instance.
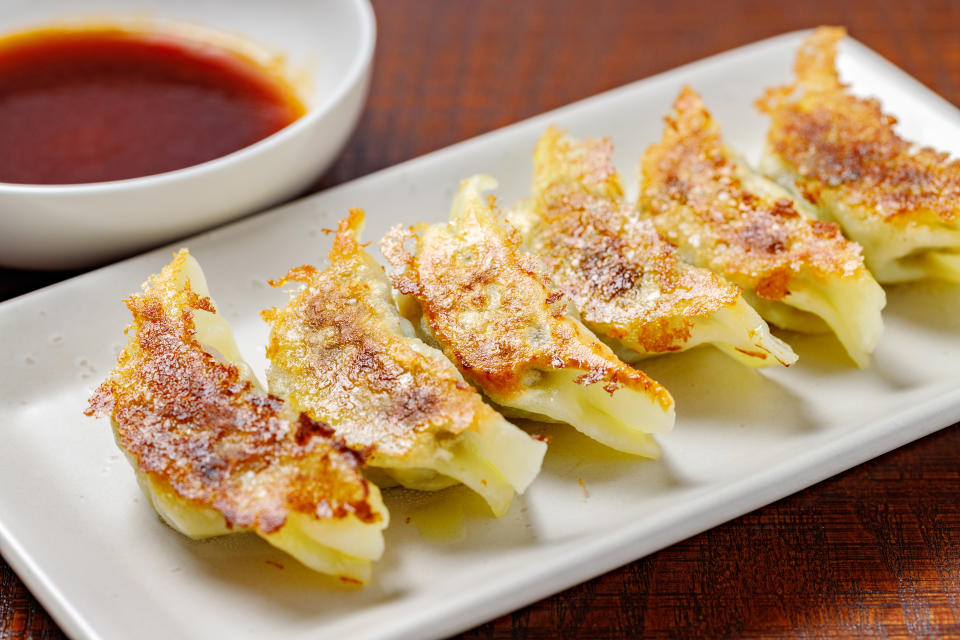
(214, 454)
(797, 271)
(841, 153)
(468, 287)
(625, 280)
(340, 352)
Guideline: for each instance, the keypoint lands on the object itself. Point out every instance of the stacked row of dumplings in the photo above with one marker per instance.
(405, 378)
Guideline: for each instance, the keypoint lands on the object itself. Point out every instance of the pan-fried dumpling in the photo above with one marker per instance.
(626, 281)
(341, 353)
(797, 271)
(468, 287)
(900, 202)
(214, 454)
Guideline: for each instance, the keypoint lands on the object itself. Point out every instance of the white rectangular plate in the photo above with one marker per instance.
(74, 525)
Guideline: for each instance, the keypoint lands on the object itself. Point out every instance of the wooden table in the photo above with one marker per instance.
(872, 552)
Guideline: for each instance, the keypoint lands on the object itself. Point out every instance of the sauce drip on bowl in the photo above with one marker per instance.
(97, 104)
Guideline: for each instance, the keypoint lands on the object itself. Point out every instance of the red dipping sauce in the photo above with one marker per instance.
(97, 104)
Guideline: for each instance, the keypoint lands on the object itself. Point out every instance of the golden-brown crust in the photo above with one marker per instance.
(496, 314)
(192, 423)
(344, 360)
(700, 196)
(616, 268)
(836, 141)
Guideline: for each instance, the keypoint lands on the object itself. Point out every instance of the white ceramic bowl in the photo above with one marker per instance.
(326, 44)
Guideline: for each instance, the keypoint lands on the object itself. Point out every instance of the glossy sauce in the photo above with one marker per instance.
(89, 105)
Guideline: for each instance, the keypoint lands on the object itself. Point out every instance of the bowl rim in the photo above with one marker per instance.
(366, 44)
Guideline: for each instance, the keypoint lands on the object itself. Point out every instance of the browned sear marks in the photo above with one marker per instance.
(338, 352)
(725, 217)
(622, 276)
(192, 423)
(496, 314)
(837, 141)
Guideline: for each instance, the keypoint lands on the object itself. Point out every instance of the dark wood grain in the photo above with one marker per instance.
(872, 552)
